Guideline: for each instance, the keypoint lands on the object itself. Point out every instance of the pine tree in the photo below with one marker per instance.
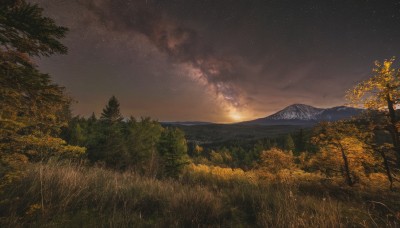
(300, 142)
(92, 118)
(111, 113)
(26, 32)
(289, 143)
(107, 142)
(32, 107)
(173, 150)
(77, 136)
(141, 139)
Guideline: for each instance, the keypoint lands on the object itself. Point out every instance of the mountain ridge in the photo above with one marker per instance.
(295, 114)
(302, 114)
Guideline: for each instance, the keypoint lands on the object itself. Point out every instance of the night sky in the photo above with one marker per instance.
(218, 60)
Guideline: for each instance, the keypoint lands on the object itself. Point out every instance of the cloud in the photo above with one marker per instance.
(181, 43)
(255, 57)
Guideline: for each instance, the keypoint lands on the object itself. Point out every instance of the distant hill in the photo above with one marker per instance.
(185, 123)
(213, 133)
(289, 119)
(301, 114)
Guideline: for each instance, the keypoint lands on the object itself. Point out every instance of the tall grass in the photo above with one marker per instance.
(68, 195)
(78, 195)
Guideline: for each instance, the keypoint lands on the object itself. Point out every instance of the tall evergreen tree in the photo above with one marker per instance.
(111, 113)
(173, 150)
(107, 143)
(142, 138)
(32, 107)
(289, 143)
(92, 118)
(300, 142)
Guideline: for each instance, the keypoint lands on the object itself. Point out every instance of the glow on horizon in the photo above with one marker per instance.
(236, 116)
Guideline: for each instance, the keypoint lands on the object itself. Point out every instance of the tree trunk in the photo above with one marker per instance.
(394, 132)
(346, 166)
(388, 172)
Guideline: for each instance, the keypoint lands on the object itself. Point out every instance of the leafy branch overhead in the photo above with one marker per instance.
(24, 29)
(381, 88)
(32, 108)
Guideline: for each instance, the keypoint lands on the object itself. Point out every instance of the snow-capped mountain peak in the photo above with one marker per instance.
(297, 112)
(301, 114)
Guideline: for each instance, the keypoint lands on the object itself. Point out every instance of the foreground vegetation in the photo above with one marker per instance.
(72, 195)
(58, 170)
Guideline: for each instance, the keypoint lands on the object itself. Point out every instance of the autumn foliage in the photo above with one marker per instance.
(59, 170)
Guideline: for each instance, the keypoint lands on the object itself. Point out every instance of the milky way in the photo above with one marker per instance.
(218, 60)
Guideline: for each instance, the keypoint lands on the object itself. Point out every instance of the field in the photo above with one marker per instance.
(71, 195)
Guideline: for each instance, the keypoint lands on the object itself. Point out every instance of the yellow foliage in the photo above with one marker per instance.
(12, 168)
(34, 147)
(46, 146)
(284, 176)
(198, 150)
(279, 166)
(216, 157)
(221, 173)
(289, 176)
(33, 209)
(301, 175)
(227, 157)
(374, 92)
(378, 180)
(275, 160)
(342, 146)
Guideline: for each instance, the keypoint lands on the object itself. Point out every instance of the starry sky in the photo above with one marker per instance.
(217, 60)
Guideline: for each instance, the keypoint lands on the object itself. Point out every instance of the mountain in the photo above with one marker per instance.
(289, 119)
(301, 114)
(297, 112)
(339, 113)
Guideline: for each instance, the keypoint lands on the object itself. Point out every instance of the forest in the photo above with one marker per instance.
(57, 169)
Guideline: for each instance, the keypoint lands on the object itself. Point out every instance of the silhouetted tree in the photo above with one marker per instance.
(111, 113)
(107, 142)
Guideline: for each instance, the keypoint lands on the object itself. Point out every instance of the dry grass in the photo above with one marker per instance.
(68, 195)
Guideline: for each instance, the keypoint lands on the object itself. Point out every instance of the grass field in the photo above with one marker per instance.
(69, 195)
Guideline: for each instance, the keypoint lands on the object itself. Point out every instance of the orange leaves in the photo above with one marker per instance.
(275, 159)
(374, 92)
(343, 148)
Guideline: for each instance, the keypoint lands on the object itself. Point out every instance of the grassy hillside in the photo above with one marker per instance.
(68, 195)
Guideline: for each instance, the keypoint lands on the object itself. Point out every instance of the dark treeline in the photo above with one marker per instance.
(126, 143)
